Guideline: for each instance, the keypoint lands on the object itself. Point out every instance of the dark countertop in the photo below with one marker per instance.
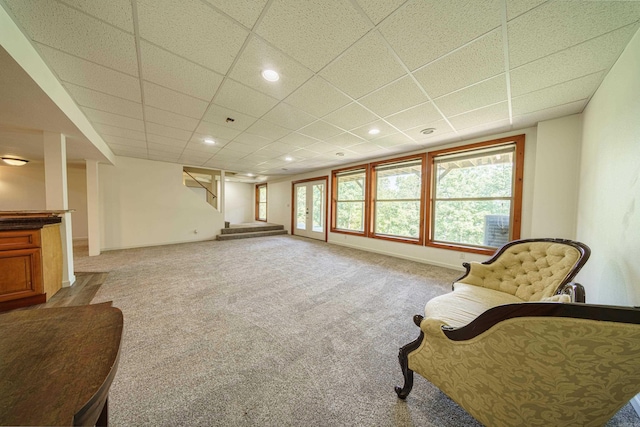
(27, 223)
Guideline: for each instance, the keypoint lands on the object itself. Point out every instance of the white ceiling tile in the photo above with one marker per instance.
(167, 118)
(244, 11)
(288, 116)
(441, 130)
(217, 131)
(253, 140)
(377, 10)
(486, 129)
(313, 32)
(368, 150)
(516, 8)
(218, 115)
(420, 114)
(164, 148)
(74, 32)
(193, 30)
(166, 131)
(277, 148)
(164, 140)
(559, 25)
(424, 30)
(345, 140)
(297, 140)
(267, 130)
(174, 72)
(259, 56)
(563, 93)
(477, 61)
(350, 116)
(492, 113)
(198, 147)
(398, 96)
(104, 130)
(90, 75)
(597, 54)
(100, 101)
(364, 67)
(192, 152)
(244, 99)
(532, 119)
(317, 97)
(473, 97)
(115, 12)
(323, 147)
(381, 125)
(394, 139)
(106, 118)
(126, 150)
(124, 142)
(320, 130)
(239, 148)
(170, 100)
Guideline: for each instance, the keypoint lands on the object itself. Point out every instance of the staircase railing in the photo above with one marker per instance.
(200, 184)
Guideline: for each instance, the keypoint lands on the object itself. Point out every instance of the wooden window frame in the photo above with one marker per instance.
(516, 222)
(372, 199)
(257, 207)
(334, 200)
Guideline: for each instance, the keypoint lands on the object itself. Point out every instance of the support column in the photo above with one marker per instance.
(221, 193)
(93, 208)
(55, 174)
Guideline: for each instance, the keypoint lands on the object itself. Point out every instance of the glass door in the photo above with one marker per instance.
(309, 209)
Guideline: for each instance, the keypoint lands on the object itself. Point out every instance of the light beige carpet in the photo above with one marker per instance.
(274, 331)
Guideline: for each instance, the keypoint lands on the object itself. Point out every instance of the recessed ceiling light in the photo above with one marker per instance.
(288, 159)
(249, 174)
(14, 161)
(427, 131)
(270, 75)
(209, 141)
(374, 131)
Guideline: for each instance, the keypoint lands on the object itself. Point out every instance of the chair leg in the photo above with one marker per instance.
(403, 354)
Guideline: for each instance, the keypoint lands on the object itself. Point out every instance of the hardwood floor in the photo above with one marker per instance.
(81, 293)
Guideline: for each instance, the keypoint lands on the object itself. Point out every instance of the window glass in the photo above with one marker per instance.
(473, 197)
(350, 200)
(398, 188)
(261, 202)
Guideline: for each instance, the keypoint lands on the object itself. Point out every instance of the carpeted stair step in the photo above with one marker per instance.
(250, 234)
(251, 229)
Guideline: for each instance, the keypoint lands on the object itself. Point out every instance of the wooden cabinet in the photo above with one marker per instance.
(30, 265)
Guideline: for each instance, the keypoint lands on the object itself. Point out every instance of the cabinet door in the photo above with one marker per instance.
(20, 274)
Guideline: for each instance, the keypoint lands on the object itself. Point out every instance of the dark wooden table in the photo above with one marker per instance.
(57, 364)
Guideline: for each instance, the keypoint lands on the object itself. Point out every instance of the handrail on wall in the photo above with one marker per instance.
(200, 184)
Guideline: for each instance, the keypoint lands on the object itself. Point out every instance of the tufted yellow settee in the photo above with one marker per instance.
(510, 347)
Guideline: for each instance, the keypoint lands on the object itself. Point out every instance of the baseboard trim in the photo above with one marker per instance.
(635, 402)
(392, 254)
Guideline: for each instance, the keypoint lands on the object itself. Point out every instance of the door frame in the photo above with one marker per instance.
(326, 201)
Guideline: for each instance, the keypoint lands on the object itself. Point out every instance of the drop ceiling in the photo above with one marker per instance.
(157, 77)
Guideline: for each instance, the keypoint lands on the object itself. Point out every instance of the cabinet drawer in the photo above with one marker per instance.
(19, 239)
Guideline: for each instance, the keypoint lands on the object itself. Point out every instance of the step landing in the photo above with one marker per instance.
(249, 230)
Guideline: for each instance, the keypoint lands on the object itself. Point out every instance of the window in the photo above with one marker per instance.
(261, 202)
(476, 195)
(348, 202)
(397, 199)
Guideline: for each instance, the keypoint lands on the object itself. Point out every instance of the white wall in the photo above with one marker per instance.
(556, 178)
(23, 188)
(609, 199)
(566, 129)
(239, 202)
(144, 203)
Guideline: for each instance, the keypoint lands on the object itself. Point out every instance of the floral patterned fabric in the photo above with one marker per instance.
(535, 371)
